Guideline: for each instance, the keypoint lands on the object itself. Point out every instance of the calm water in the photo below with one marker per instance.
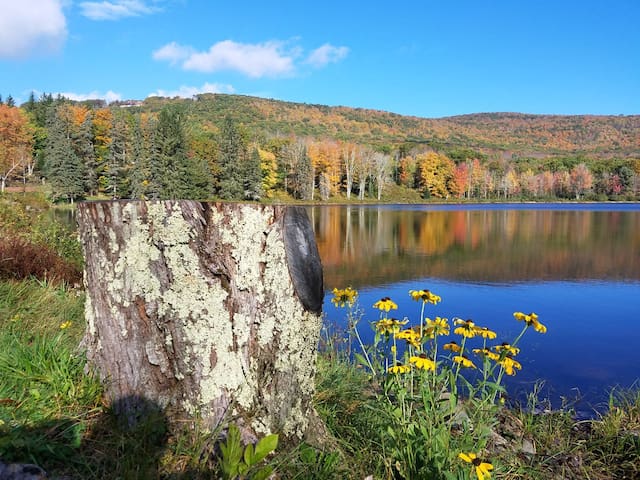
(576, 266)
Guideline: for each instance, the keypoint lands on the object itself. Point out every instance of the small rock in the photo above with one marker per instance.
(21, 471)
(528, 447)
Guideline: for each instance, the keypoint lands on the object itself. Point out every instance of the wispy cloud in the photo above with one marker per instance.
(109, 96)
(326, 54)
(116, 9)
(188, 92)
(268, 59)
(31, 27)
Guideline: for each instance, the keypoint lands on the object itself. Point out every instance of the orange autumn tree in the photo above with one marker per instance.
(16, 142)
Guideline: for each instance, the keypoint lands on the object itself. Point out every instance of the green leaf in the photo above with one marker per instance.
(265, 446)
(231, 452)
(262, 474)
(361, 360)
(248, 455)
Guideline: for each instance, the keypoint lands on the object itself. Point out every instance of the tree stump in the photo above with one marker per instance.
(208, 310)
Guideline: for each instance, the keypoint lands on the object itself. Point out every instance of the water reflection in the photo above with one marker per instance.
(373, 245)
(579, 269)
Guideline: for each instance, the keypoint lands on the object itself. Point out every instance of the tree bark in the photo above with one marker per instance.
(209, 310)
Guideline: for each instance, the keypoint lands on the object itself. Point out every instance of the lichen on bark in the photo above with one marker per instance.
(191, 305)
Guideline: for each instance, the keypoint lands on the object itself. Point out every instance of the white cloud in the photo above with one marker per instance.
(173, 53)
(31, 26)
(326, 54)
(188, 92)
(267, 59)
(109, 96)
(116, 9)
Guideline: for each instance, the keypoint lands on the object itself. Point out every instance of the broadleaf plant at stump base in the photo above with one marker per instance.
(191, 305)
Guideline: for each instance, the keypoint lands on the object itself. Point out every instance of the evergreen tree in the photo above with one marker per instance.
(64, 169)
(172, 173)
(304, 176)
(117, 160)
(232, 153)
(84, 148)
(253, 177)
(140, 173)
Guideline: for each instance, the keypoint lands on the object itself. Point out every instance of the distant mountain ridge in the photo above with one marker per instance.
(519, 133)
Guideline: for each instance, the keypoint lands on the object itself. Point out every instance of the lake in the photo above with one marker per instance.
(576, 265)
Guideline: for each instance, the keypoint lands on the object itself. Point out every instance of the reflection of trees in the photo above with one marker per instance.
(369, 245)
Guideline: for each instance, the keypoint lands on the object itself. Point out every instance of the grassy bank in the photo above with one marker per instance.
(52, 414)
(385, 421)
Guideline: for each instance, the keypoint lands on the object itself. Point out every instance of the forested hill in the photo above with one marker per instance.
(522, 134)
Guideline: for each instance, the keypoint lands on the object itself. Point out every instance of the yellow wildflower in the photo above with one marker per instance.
(484, 332)
(421, 361)
(508, 363)
(481, 467)
(410, 336)
(464, 361)
(485, 352)
(399, 369)
(467, 328)
(439, 326)
(453, 347)
(531, 320)
(389, 326)
(344, 297)
(66, 324)
(425, 296)
(505, 347)
(385, 304)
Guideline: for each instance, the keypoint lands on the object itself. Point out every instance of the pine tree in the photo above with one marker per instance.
(117, 161)
(232, 153)
(64, 169)
(140, 172)
(172, 173)
(253, 177)
(83, 143)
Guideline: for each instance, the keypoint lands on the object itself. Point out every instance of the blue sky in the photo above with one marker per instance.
(426, 58)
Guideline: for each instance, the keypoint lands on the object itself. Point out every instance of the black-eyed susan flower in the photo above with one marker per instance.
(389, 326)
(531, 320)
(452, 347)
(344, 297)
(484, 332)
(467, 328)
(485, 352)
(422, 362)
(464, 361)
(481, 467)
(425, 296)
(385, 304)
(410, 336)
(399, 369)
(509, 364)
(508, 348)
(439, 326)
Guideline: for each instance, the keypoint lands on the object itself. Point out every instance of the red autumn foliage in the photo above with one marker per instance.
(20, 259)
